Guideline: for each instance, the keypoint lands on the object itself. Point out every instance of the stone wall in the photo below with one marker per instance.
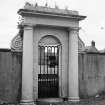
(10, 76)
(91, 75)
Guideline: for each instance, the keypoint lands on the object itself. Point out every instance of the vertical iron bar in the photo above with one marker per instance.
(47, 72)
(58, 59)
(44, 60)
(51, 60)
(47, 59)
(50, 69)
(40, 58)
(54, 68)
(55, 60)
(46, 69)
(58, 71)
(40, 72)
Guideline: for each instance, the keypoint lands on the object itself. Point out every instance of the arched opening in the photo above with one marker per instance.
(48, 75)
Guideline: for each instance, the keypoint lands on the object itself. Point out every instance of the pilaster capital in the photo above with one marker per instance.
(74, 28)
(28, 26)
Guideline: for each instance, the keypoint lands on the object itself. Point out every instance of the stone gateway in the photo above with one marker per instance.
(50, 53)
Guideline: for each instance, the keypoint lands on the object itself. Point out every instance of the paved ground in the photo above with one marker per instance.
(82, 102)
(98, 101)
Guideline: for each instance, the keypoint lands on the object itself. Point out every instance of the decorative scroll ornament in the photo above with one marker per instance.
(81, 45)
(17, 44)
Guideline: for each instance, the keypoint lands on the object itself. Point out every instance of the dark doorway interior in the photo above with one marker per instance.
(48, 77)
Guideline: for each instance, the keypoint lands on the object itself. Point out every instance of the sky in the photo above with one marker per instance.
(92, 28)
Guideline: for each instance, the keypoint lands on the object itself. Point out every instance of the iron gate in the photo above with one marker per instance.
(48, 76)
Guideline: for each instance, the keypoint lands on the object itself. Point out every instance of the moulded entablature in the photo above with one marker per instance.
(50, 16)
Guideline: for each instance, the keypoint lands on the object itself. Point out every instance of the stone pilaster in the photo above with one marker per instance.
(73, 65)
(27, 67)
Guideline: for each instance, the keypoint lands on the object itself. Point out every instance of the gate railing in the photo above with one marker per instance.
(48, 77)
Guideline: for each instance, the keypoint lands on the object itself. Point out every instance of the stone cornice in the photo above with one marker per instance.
(28, 12)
